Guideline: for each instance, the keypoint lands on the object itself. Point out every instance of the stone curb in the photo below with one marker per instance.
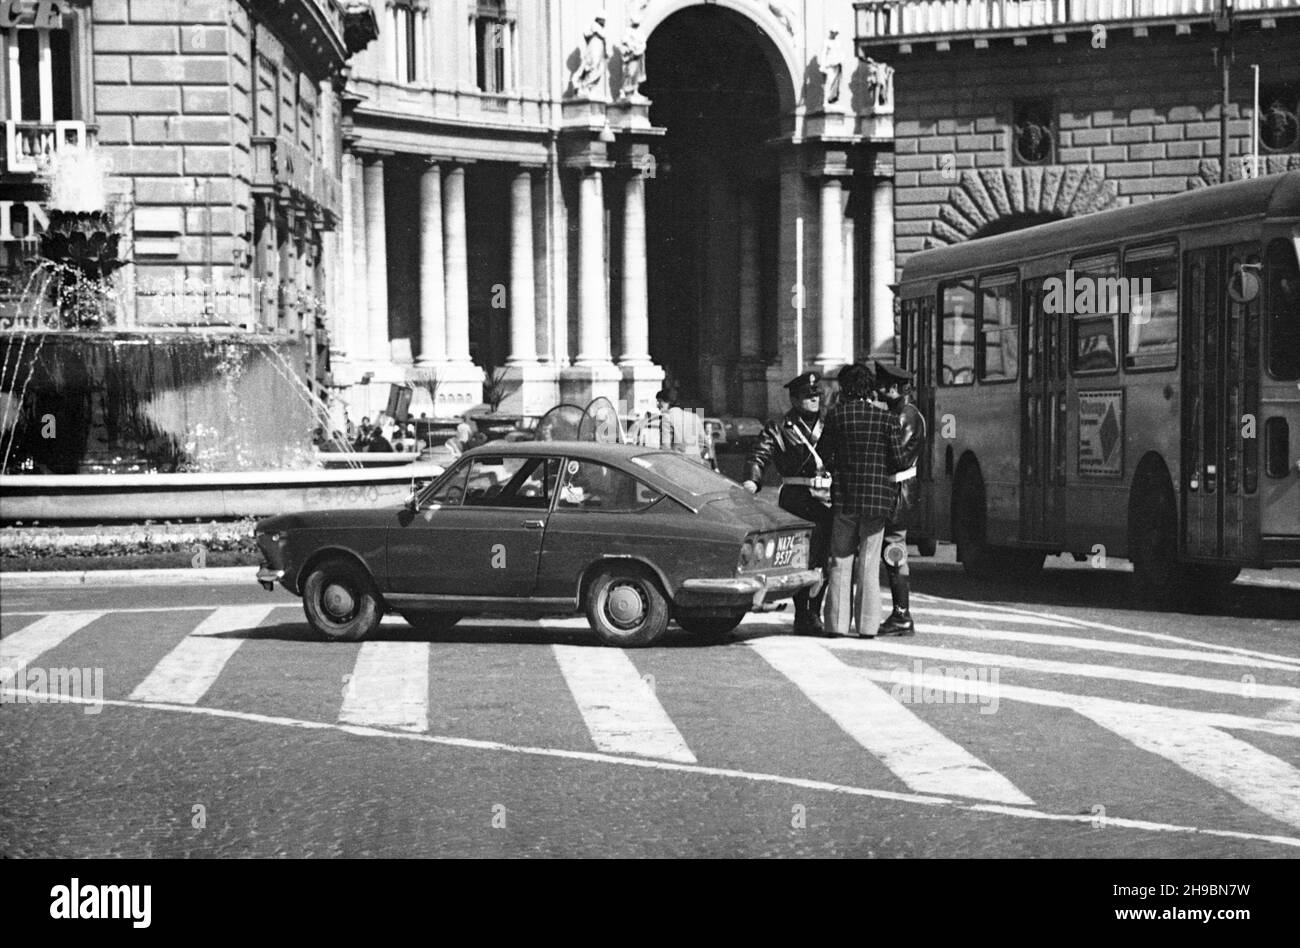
(215, 576)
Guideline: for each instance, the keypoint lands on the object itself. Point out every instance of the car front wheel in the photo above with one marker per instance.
(340, 601)
(626, 608)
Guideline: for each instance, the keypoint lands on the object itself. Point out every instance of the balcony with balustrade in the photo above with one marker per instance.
(903, 24)
(31, 146)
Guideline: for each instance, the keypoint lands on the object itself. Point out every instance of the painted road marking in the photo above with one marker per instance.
(389, 687)
(1254, 777)
(1101, 645)
(26, 645)
(1080, 670)
(918, 754)
(618, 705)
(187, 672)
(554, 753)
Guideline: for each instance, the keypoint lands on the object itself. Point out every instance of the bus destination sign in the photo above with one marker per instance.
(1101, 433)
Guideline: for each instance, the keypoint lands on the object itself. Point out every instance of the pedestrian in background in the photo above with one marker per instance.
(864, 443)
(681, 430)
(894, 388)
(790, 443)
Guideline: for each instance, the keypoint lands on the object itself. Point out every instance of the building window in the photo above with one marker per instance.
(491, 35)
(407, 29)
(39, 75)
(1033, 132)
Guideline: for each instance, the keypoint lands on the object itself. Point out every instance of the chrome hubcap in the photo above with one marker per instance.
(625, 605)
(338, 600)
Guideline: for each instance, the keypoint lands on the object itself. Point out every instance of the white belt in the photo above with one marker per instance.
(905, 475)
(797, 481)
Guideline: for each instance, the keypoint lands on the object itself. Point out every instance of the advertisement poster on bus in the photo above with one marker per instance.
(1101, 433)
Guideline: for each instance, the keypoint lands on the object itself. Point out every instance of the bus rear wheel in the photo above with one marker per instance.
(1153, 543)
(968, 527)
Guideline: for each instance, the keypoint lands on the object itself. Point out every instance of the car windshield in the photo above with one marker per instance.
(690, 476)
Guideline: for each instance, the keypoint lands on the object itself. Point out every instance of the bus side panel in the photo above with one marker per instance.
(995, 440)
(1152, 427)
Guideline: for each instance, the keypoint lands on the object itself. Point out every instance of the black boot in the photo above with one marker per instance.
(900, 620)
(807, 615)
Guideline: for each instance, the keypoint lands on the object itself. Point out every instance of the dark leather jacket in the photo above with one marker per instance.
(912, 422)
(779, 445)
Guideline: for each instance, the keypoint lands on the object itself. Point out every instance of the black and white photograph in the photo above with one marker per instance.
(651, 429)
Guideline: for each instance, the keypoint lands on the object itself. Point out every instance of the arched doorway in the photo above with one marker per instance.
(712, 211)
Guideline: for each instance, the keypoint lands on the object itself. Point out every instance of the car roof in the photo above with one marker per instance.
(592, 450)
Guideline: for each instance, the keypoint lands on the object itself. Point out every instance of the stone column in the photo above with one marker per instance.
(751, 334)
(523, 302)
(832, 272)
(882, 260)
(358, 319)
(457, 263)
(636, 315)
(593, 316)
(848, 293)
(342, 334)
(376, 261)
(433, 286)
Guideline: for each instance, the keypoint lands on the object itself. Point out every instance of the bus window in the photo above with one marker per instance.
(1283, 311)
(1096, 319)
(1152, 325)
(999, 339)
(958, 333)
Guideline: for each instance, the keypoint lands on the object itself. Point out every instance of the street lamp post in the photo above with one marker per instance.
(1223, 26)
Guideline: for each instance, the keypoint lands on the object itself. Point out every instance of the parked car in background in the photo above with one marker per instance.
(632, 536)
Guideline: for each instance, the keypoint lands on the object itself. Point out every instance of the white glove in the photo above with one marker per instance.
(751, 487)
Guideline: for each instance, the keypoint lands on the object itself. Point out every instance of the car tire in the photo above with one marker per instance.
(340, 601)
(926, 546)
(432, 623)
(977, 557)
(1214, 577)
(626, 607)
(1158, 577)
(709, 626)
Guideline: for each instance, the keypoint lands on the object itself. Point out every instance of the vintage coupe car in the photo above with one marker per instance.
(633, 536)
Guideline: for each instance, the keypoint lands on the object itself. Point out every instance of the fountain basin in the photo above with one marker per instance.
(53, 499)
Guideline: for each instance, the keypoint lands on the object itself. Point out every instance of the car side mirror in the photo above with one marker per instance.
(412, 501)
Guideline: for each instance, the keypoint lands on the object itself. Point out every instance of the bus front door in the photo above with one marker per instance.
(1221, 364)
(1042, 421)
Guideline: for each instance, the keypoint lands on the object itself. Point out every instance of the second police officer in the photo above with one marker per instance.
(894, 387)
(790, 442)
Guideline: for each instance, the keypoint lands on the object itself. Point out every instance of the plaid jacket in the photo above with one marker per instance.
(862, 445)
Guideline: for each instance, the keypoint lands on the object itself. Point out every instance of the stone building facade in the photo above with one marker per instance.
(1016, 113)
(219, 125)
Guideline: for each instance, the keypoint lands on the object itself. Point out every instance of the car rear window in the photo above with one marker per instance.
(690, 476)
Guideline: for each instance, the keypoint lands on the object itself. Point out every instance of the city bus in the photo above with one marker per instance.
(1122, 384)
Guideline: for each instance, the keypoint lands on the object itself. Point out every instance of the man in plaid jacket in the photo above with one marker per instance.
(864, 445)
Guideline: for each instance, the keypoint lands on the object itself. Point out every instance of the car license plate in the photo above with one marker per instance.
(791, 551)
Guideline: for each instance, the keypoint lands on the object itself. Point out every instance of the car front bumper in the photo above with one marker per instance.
(751, 591)
(269, 577)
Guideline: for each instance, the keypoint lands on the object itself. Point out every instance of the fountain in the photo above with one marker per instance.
(99, 422)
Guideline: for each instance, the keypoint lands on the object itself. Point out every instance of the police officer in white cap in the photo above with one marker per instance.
(894, 388)
(790, 442)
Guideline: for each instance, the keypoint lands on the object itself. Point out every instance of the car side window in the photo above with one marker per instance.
(494, 480)
(532, 486)
(451, 492)
(589, 485)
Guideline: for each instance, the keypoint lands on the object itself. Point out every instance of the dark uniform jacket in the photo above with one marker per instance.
(913, 424)
(862, 445)
(779, 445)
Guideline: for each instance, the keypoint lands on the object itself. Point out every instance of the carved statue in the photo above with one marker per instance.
(880, 86)
(633, 50)
(588, 79)
(832, 66)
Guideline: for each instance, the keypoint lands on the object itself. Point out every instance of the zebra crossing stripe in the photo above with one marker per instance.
(389, 687)
(919, 755)
(1078, 670)
(1267, 783)
(1101, 645)
(26, 645)
(618, 705)
(187, 672)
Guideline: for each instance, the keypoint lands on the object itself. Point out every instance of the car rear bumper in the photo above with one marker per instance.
(750, 591)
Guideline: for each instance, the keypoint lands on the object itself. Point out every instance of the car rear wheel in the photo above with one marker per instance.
(432, 623)
(626, 608)
(340, 601)
(709, 626)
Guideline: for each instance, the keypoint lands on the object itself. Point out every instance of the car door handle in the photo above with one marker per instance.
(534, 524)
